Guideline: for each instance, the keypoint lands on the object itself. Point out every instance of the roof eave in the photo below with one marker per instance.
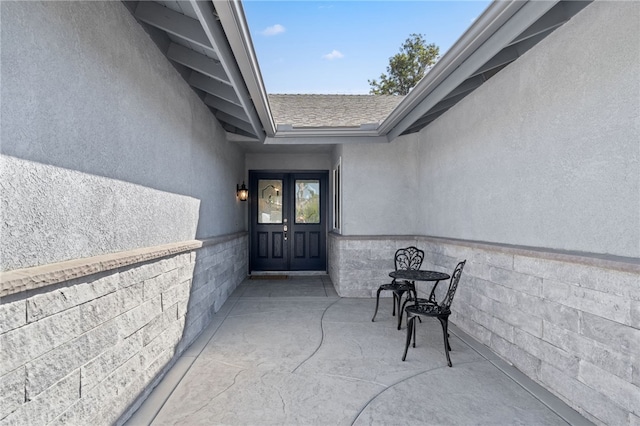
(233, 20)
(286, 135)
(234, 23)
(483, 27)
(500, 24)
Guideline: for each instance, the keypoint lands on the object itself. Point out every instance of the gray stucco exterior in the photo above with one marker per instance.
(111, 168)
(288, 161)
(104, 146)
(545, 154)
(118, 196)
(542, 163)
(380, 190)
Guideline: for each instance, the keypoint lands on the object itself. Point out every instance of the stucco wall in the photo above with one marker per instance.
(104, 147)
(547, 152)
(380, 189)
(544, 154)
(283, 161)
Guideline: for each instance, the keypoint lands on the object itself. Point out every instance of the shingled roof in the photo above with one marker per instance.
(304, 110)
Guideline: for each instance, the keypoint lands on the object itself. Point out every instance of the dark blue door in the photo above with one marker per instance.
(288, 221)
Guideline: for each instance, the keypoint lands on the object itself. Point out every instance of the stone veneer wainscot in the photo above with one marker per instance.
(85, 341)
(569, 321)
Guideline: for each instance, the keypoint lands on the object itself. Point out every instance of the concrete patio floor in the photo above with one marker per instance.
(292, 352)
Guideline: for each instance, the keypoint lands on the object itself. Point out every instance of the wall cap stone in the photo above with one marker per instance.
(604, 261)
(20, 280)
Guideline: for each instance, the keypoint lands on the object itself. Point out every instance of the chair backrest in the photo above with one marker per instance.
(409, 258)
(453, 285)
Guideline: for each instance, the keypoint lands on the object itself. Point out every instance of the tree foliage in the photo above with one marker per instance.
(406, 68)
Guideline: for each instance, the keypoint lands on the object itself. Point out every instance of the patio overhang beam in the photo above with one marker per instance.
(552, 20)
(198, 62)
(197, 46)
(439, 109)
(174, 23)
(223, 105)
(214, 87)
(234, 121)
(469, 85)
(237, 135)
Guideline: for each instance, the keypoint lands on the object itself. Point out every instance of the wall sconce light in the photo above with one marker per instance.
(242, 192)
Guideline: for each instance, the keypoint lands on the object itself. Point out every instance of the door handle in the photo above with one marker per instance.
(285, 230)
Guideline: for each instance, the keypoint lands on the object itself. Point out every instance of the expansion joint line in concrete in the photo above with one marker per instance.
(548, 399)
(391, 386)
(321, 335)
(326, 282)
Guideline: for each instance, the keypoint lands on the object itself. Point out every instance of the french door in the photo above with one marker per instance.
(288, 223)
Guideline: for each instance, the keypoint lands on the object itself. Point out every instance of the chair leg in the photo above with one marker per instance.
(400, 311)
(410, 325)
(399, 293)
(395, 297)
(444, 320)
(377, 303)
(404, 305)
(412, 296)
(414, 329)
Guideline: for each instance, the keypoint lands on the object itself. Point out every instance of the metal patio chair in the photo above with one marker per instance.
(431, 308)
(405, 258)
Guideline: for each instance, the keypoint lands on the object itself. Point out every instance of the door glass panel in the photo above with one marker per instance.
(307, 201)
(269, 201)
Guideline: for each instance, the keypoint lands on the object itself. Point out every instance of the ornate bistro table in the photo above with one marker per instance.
(413, 275)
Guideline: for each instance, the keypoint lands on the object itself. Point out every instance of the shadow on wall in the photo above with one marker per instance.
(127, 115)
(90, 350)
(52, 214)
(119, 154)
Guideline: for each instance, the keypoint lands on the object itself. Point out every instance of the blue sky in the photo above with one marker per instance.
(334, 47)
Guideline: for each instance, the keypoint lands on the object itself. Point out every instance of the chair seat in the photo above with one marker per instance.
(406, 286)
(429, 309)
(419, 301)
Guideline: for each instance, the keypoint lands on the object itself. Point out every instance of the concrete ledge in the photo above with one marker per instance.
(20, 280)
(619, 263)
(605, 261)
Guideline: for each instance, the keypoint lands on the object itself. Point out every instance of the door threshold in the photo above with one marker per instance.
(288, 273)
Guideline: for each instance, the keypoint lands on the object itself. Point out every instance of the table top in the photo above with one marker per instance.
(419, 275)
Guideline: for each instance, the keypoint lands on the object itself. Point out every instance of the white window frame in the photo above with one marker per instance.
(336, 222)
